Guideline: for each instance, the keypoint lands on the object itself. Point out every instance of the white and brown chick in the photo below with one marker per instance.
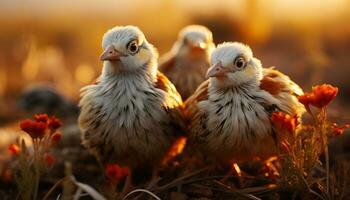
(129, 115)
(189, 59)
(229, 114)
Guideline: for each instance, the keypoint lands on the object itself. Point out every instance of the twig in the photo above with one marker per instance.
(315, 193)
(311, 190)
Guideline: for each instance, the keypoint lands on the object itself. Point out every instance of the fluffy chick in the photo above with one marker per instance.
(130, 114)
(229, 114)
(189, 59)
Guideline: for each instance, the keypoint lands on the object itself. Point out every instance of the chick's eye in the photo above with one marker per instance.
(133, 47)
(239, 62)
(185, 40)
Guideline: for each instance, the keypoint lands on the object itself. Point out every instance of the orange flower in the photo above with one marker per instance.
(306, 99)
(283, 121)
(54, 123)
(324, 94)
(14, 149)
(320, 96)
(56, 137)
(339, 130)
(41, 118)
(115, 173)
(49, 159)
(39, 127)
(34, 129)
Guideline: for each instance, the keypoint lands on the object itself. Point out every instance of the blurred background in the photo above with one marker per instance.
(55, 44)
(50, 49)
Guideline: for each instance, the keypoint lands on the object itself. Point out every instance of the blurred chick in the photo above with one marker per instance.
(229, 113)
(45, 99)
(188, 60)
(129, 115)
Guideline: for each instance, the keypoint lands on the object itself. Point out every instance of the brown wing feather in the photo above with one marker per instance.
(272, 85)
(282, 88)
(275, 82)
(196, 119)
(200, 94)
(164, 84)
(173, 104)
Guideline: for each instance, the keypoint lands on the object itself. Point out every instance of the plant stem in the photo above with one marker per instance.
(36, 168)
(327, 168)
(325, 143)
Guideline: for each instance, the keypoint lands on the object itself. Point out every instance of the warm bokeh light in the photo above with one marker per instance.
(84, 73)
(2, 81)
(58, 42)
(49, 50)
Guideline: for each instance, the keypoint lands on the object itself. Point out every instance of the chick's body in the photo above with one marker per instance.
(189, 59)
(229, 114)
(126, 117)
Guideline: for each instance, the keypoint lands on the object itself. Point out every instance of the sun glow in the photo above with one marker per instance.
(175, 150)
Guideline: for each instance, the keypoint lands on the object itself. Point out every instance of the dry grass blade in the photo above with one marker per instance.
(77, 194)
(174, 182)
(258, 189)
(217, 177)
(59, 182)
(246, 192)
(144, 191)
(88, 189)
(250, 196)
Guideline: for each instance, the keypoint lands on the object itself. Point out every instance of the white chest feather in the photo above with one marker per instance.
(125, 119)
(130, 103)
(237, 120)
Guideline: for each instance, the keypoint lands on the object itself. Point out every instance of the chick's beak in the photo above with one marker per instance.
(110, 54)
(217, 70)
(199, 45)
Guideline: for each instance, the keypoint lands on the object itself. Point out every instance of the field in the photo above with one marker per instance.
(55, 46)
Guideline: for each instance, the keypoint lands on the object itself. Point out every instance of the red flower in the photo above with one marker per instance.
(14, 149)
(34, 129)
(41, 118)
(49, 159)
(56, 137)
(306, 99)
(324, 94)
(339, 130)
(320, 96)
(115, 173)
(283, 121)
(54, 123)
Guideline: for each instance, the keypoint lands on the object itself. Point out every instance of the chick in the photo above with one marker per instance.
(131, 114)
(229, 113)
(188, 60)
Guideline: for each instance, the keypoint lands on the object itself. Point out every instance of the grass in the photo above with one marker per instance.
(301, 170)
